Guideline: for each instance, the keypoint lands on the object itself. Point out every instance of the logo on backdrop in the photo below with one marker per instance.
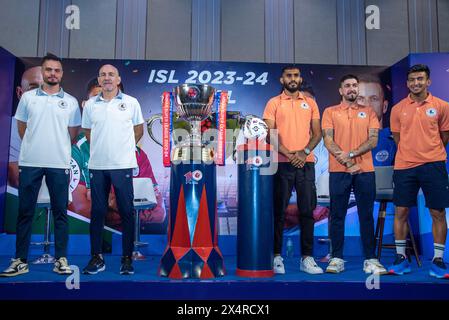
(382, 155)
(75, 174)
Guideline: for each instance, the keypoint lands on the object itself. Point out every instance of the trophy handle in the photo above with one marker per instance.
(150, 123)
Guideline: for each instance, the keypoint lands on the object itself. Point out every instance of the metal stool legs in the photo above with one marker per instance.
(137, 255)
(46, 257)
(414, 248)
(380, 232)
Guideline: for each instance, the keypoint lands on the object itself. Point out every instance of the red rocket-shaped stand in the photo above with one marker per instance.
(192, 250)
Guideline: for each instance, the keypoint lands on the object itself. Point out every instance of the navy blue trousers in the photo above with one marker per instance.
(340, 186)
(100, 183)
(30, 180)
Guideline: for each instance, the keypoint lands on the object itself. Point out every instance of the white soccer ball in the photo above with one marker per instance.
(255, 128)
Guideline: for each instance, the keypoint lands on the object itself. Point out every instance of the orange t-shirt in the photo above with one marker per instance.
(351, 128)
(292, 120)
(419, 125)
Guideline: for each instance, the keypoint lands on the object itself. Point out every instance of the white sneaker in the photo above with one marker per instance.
(309, 266)
(278, 265)
(374, 266)
(336, 265)
(62, 266)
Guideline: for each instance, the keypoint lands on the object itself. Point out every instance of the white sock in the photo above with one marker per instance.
(400, 246)
(438, 250)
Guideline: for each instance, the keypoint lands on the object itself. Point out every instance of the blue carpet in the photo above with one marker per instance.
(42, 283)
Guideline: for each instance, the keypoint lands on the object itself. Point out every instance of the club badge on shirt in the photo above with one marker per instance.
(122, 106)
(63, 104)
(431, 112)
(304, 105)
(361, 115)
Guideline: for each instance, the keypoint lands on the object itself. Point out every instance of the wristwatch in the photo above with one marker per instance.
(351, 155)
(307, 151)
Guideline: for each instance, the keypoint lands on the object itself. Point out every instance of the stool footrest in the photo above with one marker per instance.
(44, 243)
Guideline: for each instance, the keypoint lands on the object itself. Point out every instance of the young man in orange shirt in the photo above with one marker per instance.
(350, 132)
(420, 126)
(297, 120)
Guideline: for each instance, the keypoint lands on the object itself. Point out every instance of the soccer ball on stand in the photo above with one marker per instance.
(255, 128)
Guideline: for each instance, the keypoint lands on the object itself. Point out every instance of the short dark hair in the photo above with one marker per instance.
(50, 56)
(93, 83)
(419, 68)
(289, 67)
(348, 76)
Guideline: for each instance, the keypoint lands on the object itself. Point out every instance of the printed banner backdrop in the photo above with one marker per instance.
(7, 66)
(439, 74)
(250, 86)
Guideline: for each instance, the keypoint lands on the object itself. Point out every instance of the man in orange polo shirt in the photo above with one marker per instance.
(350, 132)
(420, 126)
(297, 120)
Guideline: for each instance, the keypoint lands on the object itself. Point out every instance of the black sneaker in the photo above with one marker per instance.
(16, 267)
(95, 265)
(126, 267)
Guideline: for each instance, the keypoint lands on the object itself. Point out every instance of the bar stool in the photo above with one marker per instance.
(144, 199)
(323, 199)
(43, 201)
(384, 194)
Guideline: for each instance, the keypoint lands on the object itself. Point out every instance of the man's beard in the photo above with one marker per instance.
(51, 83)
(349, 97)
(290, 89)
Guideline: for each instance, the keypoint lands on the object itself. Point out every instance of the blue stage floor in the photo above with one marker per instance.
(42, 283)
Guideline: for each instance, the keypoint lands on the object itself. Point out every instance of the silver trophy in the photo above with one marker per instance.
(193, 104)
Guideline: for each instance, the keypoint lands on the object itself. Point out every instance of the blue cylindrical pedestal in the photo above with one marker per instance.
(255, 215)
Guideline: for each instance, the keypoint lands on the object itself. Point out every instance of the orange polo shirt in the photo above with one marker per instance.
(419, 125)
(351, 128)
(292, 119)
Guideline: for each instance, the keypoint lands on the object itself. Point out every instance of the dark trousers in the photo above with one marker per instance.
(30, 180)
(340, 185)
(303, 180)
(100, 182)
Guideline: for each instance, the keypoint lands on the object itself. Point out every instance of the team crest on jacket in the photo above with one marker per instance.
(63, 104)
(304, 105)
(362, 115)
(122, 106)
(431, 112)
